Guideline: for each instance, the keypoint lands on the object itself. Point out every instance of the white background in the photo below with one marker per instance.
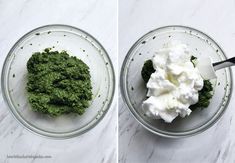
(97, 17)
(217, 19)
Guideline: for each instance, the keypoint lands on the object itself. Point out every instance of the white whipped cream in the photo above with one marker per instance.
(174, 86)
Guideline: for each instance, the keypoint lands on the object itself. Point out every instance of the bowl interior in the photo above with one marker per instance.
(134, 90)
(77, 43)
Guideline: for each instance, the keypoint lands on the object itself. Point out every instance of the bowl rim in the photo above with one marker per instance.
(41, 132)
(195, 131)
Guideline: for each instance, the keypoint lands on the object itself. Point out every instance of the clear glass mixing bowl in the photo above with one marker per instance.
(133, 88)
(77, 43)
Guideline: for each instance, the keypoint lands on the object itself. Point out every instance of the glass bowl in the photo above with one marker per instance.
(77, 43)
(133, 88)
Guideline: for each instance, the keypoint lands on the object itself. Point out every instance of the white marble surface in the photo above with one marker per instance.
(214, 17)
(99, 18)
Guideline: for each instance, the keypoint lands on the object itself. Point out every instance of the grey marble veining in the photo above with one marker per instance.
(19, 17)
(214, 17)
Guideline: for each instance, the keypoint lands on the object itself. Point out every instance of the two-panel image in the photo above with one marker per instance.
(107, 81)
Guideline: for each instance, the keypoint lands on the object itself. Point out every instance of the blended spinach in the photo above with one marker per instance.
(147, 70)
(204, 95)
(58, 83)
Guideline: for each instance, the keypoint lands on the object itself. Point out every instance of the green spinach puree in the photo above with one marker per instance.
(205, 94)
(58, 83)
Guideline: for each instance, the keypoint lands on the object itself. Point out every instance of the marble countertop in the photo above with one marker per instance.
(99, 18)
(214, 17)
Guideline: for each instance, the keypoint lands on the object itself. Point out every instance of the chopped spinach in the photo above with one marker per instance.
(204, 96)
(147, 70)
(58, 83)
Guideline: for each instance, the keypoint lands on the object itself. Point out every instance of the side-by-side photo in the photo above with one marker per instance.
(117, 81)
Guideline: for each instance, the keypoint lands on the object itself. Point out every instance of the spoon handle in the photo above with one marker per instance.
(222, 64)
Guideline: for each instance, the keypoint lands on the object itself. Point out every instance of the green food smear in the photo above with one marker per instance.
(204, 95)
(58, 83)
(193, 59)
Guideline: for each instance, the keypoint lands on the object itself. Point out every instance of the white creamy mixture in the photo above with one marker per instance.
(174, 86)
